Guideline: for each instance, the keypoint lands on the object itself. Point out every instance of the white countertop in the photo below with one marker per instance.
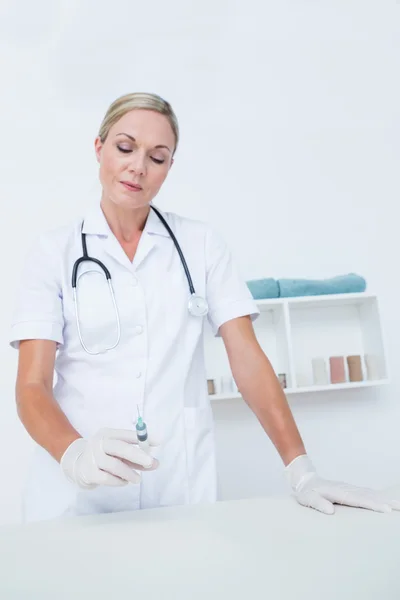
(262, 548)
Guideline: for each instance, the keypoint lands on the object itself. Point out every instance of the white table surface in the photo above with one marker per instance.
(260, 548)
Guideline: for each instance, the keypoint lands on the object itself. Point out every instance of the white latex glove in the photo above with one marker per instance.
(314, 492)
(111, 457)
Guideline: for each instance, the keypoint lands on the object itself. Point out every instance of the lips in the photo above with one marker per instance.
(133, 187)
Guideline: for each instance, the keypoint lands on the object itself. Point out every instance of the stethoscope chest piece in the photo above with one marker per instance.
(197, 305)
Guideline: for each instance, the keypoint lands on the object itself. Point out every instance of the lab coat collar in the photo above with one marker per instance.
(96, 223)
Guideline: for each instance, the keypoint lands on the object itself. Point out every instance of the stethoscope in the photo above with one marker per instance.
(197, 305)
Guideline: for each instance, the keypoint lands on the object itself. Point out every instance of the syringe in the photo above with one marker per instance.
(141, 431)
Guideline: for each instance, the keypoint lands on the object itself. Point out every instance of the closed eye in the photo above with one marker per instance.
(125, 150)
(158, 161)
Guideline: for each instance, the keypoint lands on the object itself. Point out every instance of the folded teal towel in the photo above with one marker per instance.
(342, 284)
(285, 288)
(263, 288)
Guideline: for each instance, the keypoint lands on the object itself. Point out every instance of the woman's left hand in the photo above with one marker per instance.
(321, 494)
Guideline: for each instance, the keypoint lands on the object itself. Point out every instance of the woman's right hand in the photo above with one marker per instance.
(111, 457)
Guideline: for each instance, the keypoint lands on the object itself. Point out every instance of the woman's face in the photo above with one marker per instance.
(135, 158)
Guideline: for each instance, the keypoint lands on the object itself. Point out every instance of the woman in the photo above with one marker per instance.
(145, 350)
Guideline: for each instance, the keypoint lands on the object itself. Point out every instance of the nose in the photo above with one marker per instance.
(137, 163)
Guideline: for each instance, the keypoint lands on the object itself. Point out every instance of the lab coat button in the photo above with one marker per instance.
(138, 374)
(138, 329)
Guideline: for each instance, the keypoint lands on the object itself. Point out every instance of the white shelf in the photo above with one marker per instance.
(307, 390)
(293, 331)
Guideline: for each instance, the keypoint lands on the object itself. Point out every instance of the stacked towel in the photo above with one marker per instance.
(263, 288)
(285, 288)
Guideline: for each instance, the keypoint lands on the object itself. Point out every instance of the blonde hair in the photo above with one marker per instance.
(138, 100)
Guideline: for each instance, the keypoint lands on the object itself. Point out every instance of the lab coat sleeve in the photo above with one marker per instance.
(227, 293)
(38, 312)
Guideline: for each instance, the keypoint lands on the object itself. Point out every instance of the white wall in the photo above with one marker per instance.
(290, 129)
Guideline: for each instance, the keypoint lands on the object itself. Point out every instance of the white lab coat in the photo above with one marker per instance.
(158, 365)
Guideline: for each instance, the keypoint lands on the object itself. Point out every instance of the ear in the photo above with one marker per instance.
(98, 145)
(172, 162)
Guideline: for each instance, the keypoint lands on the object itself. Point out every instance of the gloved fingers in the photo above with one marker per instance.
(392, 495)
(395, 504)
(355, 497)
(357, 500)
(372, 502)
(129, 452)
(126, 435)
(116, 467)
(152, 451)
(137, 467)
(105, 478)
(312, 499)
(154, 440)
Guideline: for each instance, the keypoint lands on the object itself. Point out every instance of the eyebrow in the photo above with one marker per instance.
(133, 140)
